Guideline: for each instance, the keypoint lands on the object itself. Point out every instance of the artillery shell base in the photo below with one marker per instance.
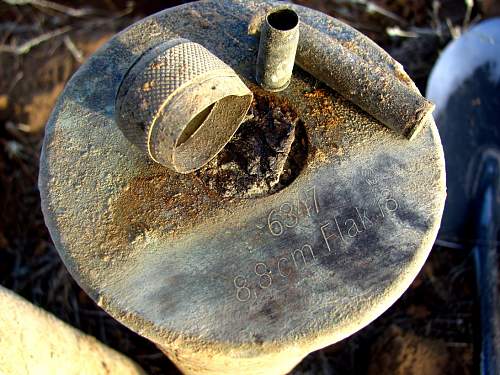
(238, 285)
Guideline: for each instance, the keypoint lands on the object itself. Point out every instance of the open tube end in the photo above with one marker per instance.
(278, 45)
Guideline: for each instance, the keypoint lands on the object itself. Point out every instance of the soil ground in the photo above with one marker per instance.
(430, 330)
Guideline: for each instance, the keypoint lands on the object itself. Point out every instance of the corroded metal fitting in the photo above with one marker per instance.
(387, 98)
(392, 100)
(278, 44)
(181, 104)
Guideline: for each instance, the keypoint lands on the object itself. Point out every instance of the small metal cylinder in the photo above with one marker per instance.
(181, 104)
(278, 44)
(383, 96)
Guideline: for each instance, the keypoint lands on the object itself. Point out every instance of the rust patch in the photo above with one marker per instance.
(165, 200)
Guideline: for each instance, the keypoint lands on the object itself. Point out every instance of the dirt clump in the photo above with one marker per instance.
(403, 353)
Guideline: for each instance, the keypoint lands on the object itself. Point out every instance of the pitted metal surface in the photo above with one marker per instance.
(243, 280)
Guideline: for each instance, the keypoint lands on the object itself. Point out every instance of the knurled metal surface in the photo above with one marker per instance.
(153, 81)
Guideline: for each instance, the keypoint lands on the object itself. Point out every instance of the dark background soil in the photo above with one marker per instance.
(430, 330)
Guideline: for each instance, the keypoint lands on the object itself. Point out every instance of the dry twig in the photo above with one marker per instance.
(72, 12)
(27, 46)
(77, 54)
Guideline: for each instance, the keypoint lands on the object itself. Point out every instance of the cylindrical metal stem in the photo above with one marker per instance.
(278, 44)
(206, 361)
(385, 97)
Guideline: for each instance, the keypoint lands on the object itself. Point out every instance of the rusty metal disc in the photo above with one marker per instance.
(244, 285)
